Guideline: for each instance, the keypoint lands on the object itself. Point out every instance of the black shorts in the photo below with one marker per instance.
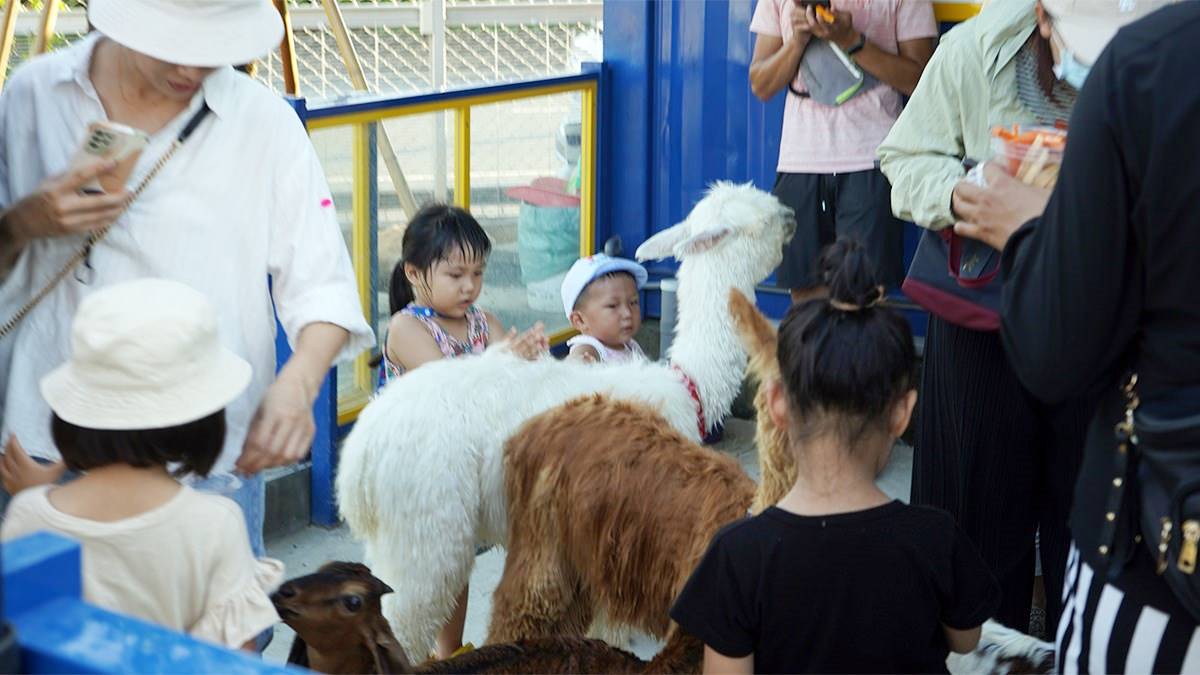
(827, 206)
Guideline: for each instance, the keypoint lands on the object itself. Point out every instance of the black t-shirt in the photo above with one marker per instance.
(863, 592)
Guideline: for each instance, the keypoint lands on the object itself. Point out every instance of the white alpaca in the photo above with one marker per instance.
(420, 480)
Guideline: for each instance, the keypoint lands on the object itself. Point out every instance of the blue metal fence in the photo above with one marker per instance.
(60, 633)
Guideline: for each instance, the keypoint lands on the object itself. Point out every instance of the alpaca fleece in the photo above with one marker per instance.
(610, 508)
(421, 478)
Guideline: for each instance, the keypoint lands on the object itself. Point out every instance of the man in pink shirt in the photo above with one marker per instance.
(826, 170)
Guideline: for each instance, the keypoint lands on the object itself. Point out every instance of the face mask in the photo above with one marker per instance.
(1069, 69)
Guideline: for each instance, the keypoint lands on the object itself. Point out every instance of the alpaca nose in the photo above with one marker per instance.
(287, 591)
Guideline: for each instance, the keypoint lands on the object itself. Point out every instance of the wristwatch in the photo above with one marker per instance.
(857, 46)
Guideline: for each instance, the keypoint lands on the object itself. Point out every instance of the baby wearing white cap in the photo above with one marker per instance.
(600, 298)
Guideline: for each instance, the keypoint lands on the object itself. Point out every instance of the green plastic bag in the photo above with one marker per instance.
(547, 241)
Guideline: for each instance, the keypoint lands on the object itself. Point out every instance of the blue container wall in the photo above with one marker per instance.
(680, 110)
(680, 114)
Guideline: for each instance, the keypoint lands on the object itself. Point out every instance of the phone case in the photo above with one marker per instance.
(107, 140)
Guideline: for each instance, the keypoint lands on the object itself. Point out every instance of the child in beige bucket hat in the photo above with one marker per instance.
(141, 402)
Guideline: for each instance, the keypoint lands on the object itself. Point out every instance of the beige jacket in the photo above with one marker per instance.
(968, 87)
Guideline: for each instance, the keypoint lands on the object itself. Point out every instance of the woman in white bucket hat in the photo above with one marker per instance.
(141, 401)
(241, 198)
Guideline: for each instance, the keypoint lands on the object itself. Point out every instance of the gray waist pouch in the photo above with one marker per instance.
(832, 77)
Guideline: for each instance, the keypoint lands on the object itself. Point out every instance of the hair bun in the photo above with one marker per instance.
(848, 273)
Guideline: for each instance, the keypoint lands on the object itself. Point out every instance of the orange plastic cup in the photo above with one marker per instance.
(1032, 155)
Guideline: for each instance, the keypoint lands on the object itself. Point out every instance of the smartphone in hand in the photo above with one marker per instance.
(822, 8)
(109, 140)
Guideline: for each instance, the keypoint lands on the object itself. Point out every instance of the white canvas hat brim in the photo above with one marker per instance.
(197, 34)
(1087, 26)
(1086, 37)
(78, 401)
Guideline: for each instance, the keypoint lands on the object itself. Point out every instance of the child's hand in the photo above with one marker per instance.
(19, 471)
(530, 345)
(583, 354)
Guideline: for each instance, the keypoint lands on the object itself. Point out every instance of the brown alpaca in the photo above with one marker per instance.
(610, 509)
(340, 629)
(777, 466)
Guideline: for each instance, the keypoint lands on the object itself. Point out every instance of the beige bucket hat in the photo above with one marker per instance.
(145, 355)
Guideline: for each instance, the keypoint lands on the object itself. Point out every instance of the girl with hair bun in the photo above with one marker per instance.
(837, 577)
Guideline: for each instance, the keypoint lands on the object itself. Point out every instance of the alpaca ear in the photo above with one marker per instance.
(701, 243)
(755, 331)
(662, 245)
(757, 335)
(387, 653)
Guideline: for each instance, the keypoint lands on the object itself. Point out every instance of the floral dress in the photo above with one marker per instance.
(451, 347)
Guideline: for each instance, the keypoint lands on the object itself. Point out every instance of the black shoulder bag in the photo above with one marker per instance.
(1158, 447)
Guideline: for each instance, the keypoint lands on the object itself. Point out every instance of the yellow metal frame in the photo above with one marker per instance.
(462, 157)
(403, 110)
(351, 400)
(951, 12)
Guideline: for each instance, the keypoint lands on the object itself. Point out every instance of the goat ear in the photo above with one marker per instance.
(701, 243)
(387, 653)
(662, 245)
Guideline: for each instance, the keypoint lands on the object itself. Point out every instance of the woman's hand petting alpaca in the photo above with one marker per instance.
(19, 471)
(530, 345)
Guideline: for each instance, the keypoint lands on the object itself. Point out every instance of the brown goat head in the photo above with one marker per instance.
(338, 621)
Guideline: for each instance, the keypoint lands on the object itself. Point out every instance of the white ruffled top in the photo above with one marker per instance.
(631, 352)
(185, 564)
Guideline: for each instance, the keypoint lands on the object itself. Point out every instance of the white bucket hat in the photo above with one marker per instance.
(1087, 26)
(586, 270)
(145, 355)
(200, 33)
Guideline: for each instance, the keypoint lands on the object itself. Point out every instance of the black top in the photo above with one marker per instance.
(1109, 277)
(863, 592)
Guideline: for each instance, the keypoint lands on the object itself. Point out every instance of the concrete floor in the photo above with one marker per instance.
(304, 551)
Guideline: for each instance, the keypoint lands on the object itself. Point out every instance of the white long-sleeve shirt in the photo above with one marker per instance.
(244, 198)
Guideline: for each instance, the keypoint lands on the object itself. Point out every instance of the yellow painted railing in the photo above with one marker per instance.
(953, 12)
(359, 115)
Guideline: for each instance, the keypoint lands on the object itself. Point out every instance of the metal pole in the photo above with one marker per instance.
(7, 35)
(337, 24)
(666, 324)
(437, 62)
(287, 51)
(49, 17)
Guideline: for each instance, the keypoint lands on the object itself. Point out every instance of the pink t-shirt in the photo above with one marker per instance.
(833, 139)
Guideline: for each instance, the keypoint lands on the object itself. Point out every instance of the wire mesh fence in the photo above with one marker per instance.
(397, 58)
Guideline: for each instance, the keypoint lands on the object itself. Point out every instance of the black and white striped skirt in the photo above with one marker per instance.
(1131, 625)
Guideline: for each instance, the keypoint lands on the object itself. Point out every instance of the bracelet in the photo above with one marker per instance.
(857, 46)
